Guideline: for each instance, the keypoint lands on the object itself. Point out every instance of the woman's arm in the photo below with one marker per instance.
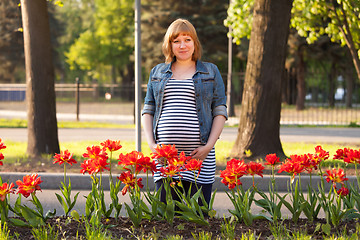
(216, 129)
(148, 130)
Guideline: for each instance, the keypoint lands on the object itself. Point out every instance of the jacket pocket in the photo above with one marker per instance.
(208, 86)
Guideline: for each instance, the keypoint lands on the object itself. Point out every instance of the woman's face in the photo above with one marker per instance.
(183, 47)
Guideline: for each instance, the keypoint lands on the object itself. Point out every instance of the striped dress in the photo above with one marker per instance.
(178, 124)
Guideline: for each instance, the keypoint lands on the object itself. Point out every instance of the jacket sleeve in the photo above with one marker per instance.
(149, 104)
(219, 99)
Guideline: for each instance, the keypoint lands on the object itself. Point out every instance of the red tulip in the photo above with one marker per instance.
(293, 166)
(335, 176)
(166, 151)
(255, 168)
(343, 191)
(30, 184)
(95, 152)
(111, 145)
(147, 165)
(170, 171)
(194, 164)
(179, 160)
(130, 181)
(236, 167)
(6, 189)
(272, 159)
(229, 179)
(2, 145)
(64, 157)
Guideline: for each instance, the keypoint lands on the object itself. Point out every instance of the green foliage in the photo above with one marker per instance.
(240, 17)
(65, 199)
(33, 217)
(202, 235)
(174, 237)
(242, 202)
(338, 19)
(96, 232)
(228, 228)
(11, 43)
(279, 230)
(249, 236)
(314, 18)
(190, 208)
(295, 205)
(4, 231)
(45, 233)
(104, 39)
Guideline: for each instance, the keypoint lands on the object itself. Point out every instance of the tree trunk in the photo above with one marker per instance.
(301, 88)
(259, 128)
(40, 92)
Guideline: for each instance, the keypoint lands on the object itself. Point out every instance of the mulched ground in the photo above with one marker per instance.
(123, 228)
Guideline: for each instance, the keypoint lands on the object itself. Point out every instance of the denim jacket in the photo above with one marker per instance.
(209, 95)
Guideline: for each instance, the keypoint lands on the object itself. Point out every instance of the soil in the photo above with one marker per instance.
(122, 228)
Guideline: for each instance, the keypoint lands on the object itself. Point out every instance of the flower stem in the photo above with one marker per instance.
(357, 176)
(65, 174)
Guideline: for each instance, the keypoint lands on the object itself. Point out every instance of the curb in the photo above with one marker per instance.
(83, 182)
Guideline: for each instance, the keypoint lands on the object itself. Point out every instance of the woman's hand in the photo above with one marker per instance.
(159, 160)
(201, 152)
(152, 146)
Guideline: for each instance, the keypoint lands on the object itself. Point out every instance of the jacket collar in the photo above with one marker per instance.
(200, 68)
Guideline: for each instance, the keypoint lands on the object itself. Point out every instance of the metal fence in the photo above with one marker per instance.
(315, 113)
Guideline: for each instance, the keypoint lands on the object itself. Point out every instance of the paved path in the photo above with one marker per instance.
(287, 134)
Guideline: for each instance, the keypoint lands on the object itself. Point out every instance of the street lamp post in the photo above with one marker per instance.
(138, 75)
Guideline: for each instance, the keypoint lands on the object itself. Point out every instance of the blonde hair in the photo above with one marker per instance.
(180, 26)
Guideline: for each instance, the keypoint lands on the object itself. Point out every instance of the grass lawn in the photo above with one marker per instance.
(16, 151)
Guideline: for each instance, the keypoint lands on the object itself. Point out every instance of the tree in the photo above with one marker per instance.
(11, 41)
(108, 42)
(40, 89)
(339, 19)
(259, 128)
(74, 18)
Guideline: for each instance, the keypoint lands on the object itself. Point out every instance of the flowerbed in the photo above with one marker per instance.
(148, 216)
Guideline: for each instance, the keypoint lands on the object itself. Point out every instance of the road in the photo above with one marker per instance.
(287, 134)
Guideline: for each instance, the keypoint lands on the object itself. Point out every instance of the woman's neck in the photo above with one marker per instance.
(183, 69)
(184, 63)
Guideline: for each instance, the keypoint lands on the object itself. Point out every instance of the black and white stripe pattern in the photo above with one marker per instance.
(179, 125)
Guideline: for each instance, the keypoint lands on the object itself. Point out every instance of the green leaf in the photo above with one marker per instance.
(31, 217)
(212, 213)
(326, 228)
(133, 216)
(18, 222)
(62, 202)
(75, 215)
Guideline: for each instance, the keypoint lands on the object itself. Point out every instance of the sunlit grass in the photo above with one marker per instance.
(21, 123)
